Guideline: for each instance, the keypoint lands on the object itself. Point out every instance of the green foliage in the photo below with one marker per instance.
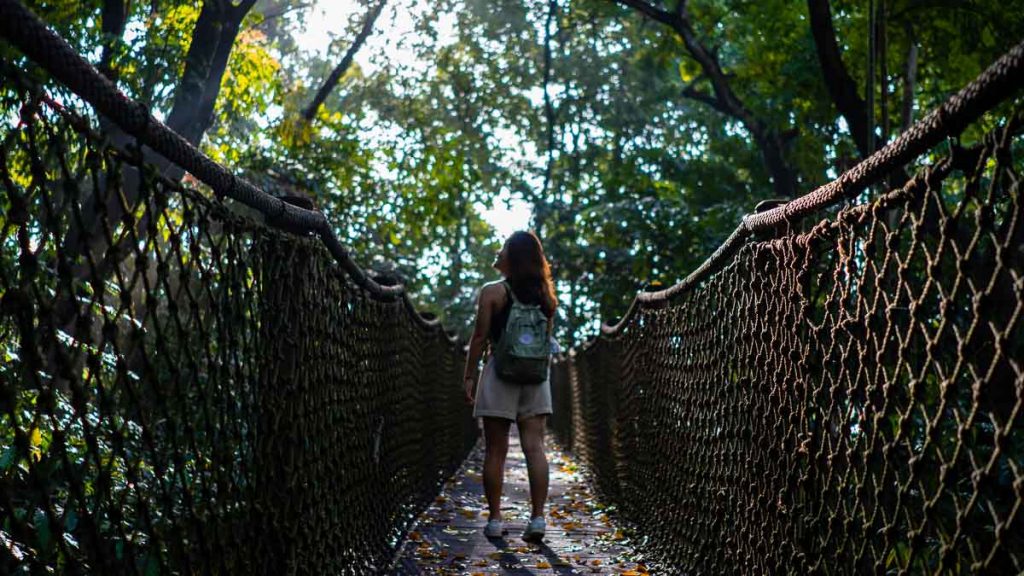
(642, 184)
(647, 183)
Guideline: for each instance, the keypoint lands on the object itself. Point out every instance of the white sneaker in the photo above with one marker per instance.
(494, 529)
(534, 530)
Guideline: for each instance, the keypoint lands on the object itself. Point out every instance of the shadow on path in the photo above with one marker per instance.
(448, 538)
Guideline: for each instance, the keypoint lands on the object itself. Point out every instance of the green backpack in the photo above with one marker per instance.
(521, 354)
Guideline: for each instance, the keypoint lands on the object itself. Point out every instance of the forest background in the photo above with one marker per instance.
(631, 135)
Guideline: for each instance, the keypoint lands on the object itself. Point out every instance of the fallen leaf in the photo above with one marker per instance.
(543, 564)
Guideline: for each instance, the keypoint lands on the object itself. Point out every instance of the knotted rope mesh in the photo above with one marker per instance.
(843, 399)
(185, 389)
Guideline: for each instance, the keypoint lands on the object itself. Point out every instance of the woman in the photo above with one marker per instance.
(526, 275)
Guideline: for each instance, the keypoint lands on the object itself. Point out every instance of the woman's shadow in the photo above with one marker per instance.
(508, 558)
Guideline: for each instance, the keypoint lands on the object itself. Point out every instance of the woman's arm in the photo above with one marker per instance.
(481, 329)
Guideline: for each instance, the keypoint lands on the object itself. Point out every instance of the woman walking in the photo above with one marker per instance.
(523, 391)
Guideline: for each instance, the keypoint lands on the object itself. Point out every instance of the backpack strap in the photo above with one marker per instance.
(508, 290)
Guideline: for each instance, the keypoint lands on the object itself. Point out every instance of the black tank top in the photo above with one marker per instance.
(499, 320)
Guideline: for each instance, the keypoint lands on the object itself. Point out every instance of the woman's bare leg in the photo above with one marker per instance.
(531, 435)
(495, 450)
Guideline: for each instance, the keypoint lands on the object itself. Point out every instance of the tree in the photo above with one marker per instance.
(346, 61)
(722, 98)
(641, 131)
(194, 95)
(212, 40)
(841, 85)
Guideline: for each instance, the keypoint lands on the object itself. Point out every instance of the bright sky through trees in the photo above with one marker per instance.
(659, 132)
(393, 36)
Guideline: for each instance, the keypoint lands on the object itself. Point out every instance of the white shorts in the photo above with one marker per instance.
(496, 397)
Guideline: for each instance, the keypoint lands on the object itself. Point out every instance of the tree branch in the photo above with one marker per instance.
(191, 115)
(115, 16)
(653, 13)
(238, 12)
(346, 62)
(694, 94)
(679, 21)
(219, 65)
(199, 62)
(549, 109)
(724, 99)
(909, 80)
(841, 86)
(283, 12)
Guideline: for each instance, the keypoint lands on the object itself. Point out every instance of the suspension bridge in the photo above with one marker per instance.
(201, 379)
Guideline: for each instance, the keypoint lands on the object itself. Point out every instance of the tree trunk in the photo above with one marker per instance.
(113, 20)
(883, 72)
(841, 86)
(773, 152)
(205, 64)
(345, 63)
(869, 90)
(571, 319)
(212, 39)
(723, 99)
(909, 80)
(549, 110)
(455, 251)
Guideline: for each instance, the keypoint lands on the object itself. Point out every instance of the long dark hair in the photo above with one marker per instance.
(528, 271)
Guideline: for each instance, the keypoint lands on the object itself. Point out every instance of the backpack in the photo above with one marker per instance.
(522, 353)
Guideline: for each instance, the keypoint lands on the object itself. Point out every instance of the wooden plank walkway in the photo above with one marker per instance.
(581, 538)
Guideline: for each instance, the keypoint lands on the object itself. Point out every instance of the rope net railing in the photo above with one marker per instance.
(186, 389)
(842, 398)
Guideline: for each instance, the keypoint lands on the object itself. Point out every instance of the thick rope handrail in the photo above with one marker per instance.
(22, 28)
(997, 83)
(841, 396)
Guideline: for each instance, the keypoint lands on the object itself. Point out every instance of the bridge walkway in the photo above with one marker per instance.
(582, 534)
